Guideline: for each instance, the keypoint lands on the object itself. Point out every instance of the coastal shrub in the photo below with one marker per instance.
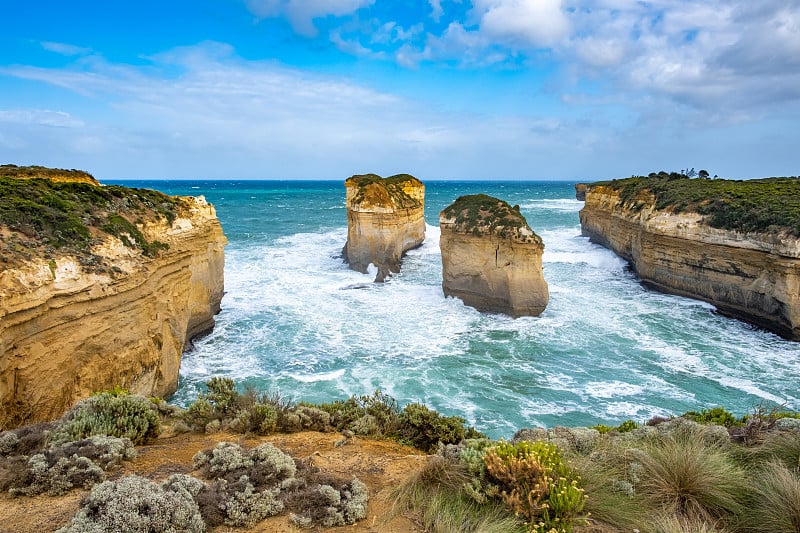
(57, 477)
(624, 427)
(8, 443)
(237, 503)
(718, 416)
(13, 471)
(689, 477)
(134, 504)
(60, 467)
(306, 417)
(424, 428)
(377, 414)
(264, 464)
(112, 413)
(776, 503)
(246, 486)
(222, 405)
(222, 395)
(328, 506)
(535, 481)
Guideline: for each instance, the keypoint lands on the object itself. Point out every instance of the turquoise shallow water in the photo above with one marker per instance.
(296, 319)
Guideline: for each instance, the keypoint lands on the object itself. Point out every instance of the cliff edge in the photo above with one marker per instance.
(734, 244)
(491, 259)
(100, 286)
(385, 219)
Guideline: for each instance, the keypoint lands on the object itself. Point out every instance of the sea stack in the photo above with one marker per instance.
(385, 219)
(100, 286)
(491, 258)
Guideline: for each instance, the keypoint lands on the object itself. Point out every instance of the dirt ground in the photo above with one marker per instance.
(381, 465)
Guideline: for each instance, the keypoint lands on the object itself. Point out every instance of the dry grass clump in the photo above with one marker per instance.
(776, 499)
(683, 476)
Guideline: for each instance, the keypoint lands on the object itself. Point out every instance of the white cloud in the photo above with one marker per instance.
(40, 117)
(301, 13)
(65, 49)
(436, 9)
(537, 23)
(224, 116)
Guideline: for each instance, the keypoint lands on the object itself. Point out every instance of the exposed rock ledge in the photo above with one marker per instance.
(754, 277)
(385, 219)
(67, 331)
(491, 259)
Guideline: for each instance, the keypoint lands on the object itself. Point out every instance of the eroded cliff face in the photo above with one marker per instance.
(385, 219)
(751, 276)
(67, 331)
(492, 263)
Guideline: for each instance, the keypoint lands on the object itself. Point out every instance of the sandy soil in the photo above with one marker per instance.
(381, 465)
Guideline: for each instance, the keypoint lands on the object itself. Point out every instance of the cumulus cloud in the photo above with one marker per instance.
(301, 13)
(536, 23)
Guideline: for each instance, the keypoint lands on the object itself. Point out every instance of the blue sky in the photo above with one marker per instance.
(442, 89)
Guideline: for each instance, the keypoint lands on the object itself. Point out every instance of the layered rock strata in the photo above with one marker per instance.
(754, 276)
(72, 324)
(491, 259)
(385, 219)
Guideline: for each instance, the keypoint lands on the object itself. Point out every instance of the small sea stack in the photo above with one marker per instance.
(385, 219)
(491, 258)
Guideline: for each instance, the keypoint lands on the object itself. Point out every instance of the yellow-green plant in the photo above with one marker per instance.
(536, 482)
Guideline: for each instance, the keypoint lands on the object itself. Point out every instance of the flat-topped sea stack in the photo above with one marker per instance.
(734, 244)
(491, 258)
(100, 286)
(385, 219)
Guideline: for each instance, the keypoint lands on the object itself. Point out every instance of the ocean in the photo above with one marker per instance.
(296, 320)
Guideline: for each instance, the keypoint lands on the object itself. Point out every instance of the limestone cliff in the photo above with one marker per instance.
(115, 304)
(491, 259)
(580, 191)
(385, 219)
(750, 275)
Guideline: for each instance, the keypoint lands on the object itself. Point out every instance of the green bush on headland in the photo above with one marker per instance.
(43, 215)
(740, 205)
(477, 213)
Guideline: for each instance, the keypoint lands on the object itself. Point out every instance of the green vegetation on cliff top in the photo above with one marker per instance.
(55, 174)
(479, 213)
(39, 216)
(393, 186)
(740, 205)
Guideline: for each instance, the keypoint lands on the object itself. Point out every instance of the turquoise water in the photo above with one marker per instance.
(296, 319)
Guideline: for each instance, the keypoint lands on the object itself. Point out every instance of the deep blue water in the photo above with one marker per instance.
(605, 350)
